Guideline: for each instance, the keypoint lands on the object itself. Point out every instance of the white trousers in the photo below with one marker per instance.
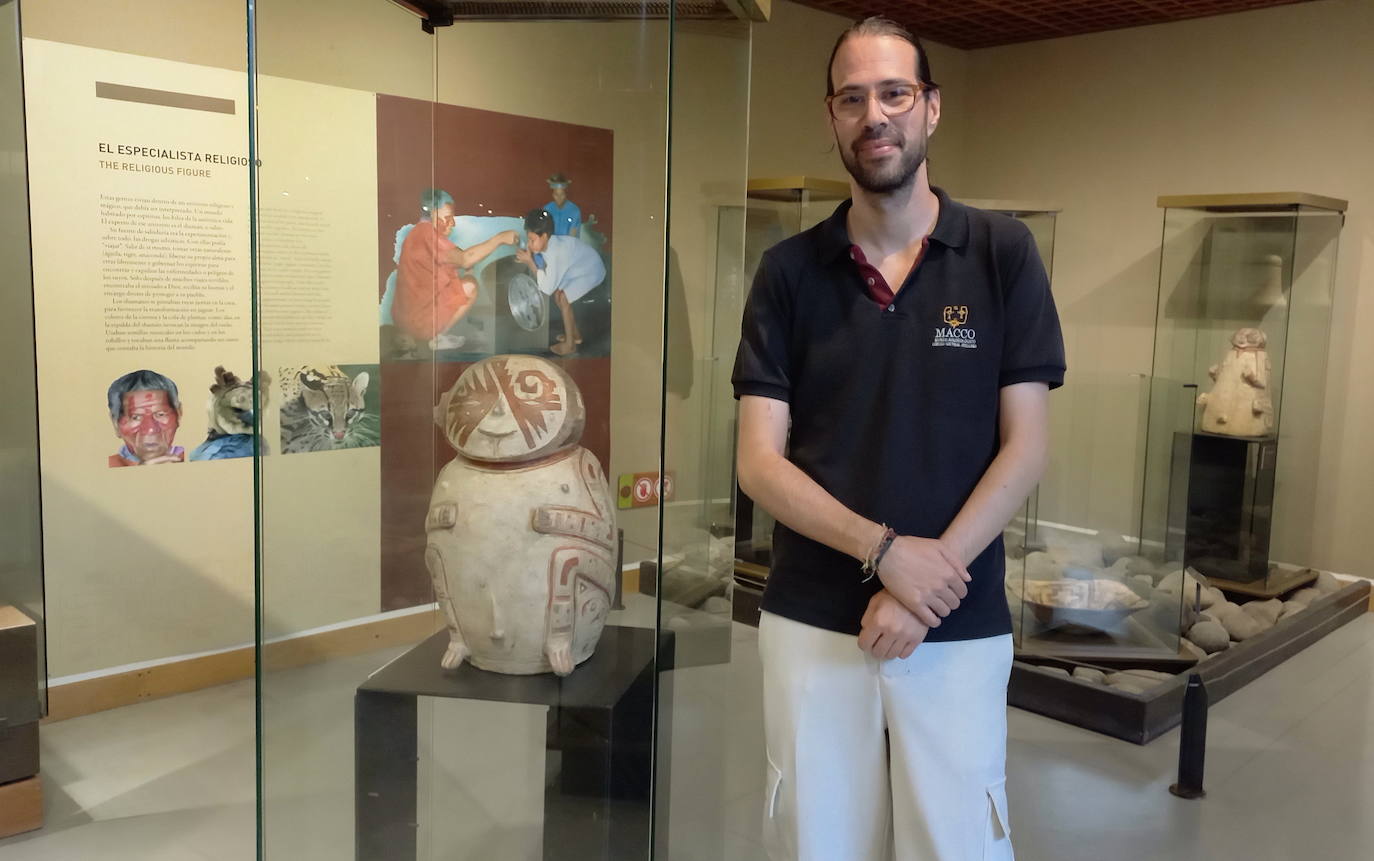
(933, 788)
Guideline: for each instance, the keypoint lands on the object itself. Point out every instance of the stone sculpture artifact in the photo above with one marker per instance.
(521, 525)
(1239, 402)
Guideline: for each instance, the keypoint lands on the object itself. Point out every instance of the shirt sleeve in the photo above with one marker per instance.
(1033, 345)
(763, 365)
(549, 277)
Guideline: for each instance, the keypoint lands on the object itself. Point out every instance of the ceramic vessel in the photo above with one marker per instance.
(521, 525)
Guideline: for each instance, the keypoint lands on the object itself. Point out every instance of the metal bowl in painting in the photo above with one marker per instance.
(526, 302)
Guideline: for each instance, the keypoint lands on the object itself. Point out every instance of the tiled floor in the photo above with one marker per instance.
(1289, 773)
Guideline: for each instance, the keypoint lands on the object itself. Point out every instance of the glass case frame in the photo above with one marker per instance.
(23, 683)
(1087, 582)
(778, 207)
(1244, 315)
(488, 115)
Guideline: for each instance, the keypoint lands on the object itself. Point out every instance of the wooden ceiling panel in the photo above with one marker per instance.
(986, 23)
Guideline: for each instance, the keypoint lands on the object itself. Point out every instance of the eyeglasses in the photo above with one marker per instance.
(894, 100)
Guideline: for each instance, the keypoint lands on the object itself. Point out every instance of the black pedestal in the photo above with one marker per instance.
(600, 742)
(20, 707)
(1230, 506)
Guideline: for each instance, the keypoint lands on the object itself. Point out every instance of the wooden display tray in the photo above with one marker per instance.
(788, 188)
(1027, 207)
(1277, 583)
(21, 806)
(1251, 201)
(1141, 718)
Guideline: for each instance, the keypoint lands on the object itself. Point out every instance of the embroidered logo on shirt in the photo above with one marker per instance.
(956, 315)
(953, 334)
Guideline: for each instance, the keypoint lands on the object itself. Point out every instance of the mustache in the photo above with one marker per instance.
(872, 135)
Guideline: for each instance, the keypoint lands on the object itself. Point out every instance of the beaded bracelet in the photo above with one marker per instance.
(876, 553)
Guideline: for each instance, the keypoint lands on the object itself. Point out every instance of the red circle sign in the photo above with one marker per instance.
(644, 490)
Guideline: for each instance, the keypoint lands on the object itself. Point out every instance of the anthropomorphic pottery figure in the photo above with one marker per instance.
(1239, 403)
(521, 526)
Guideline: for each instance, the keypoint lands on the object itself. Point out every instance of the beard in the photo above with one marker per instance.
(891, 175)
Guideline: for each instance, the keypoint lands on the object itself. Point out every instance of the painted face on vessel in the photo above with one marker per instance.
(507, 409)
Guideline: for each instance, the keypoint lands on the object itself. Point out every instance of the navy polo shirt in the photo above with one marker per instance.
(894, 404)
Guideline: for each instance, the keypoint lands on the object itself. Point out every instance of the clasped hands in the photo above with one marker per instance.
(924, 581)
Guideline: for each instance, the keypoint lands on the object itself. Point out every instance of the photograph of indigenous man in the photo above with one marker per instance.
(431, 292)
(145, 410)
(565, 268)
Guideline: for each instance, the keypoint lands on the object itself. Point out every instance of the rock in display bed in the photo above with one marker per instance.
(1231, 643)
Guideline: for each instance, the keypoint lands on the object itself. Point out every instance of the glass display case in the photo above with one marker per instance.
(778, 207)
(477, 308)
(22, 679)
(1094, 574)
(1088, 579)
(1040, 217)
(1243, 319)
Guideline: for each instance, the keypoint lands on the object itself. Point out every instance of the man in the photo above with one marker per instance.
(567, 216)
(911, 343)
(564, 267)
(431, 294)
(146, 412)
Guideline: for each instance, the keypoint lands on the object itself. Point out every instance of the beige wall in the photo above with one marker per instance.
(789, 131)
(1273, 100)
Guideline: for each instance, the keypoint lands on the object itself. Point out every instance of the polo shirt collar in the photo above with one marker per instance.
(951, 227)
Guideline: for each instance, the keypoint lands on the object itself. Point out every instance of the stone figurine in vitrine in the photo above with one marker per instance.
(521, 526)
(1239, 403)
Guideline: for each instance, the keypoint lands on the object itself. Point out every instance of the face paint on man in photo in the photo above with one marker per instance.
(148, 425)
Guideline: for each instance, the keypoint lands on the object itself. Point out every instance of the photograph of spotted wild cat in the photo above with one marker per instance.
(329, 407)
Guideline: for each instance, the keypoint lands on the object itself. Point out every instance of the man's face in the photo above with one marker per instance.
(560, 194)
(148, 424)
(882, 153)
(536, 242)
(443, 218)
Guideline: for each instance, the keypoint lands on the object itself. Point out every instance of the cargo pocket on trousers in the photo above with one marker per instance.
(997, 841)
